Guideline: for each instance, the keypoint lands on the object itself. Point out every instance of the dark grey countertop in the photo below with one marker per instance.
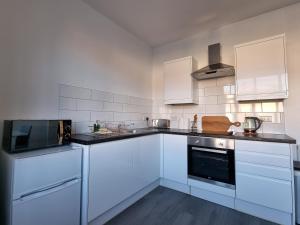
(90, 139)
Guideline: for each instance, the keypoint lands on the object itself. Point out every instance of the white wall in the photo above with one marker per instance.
(285, 20)
(45, 43)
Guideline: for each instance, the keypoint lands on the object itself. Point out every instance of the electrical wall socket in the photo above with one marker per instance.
(266, 119)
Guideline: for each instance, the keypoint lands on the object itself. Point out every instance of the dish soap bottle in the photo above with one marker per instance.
(97, 126)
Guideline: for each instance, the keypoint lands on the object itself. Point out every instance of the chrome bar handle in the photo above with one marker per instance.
(224, 152)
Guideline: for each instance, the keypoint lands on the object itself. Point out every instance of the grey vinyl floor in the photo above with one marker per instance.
(164, 206)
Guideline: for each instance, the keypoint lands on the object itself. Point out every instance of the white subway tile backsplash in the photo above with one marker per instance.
(213, 91)
(133, 108)
(194, 109)
(102, 116)
(140, 101)
(234, 108)
(177, 109)
(83, 127)
(217, 109)
(78, 116)
(74, 92)
(225, 81)
(89, 105)
(201, 92)
(276, 128)
(140, 124)
(84, 106)
(245, 107)
(257, 107)
(276, 117)
(227, 90)
(223, 99)
(127, 116)
(232, 89)
(240, 117)
(102, 96)
(112, 107)
(121, 99)
(208, 100)
(272, 107)
(218, 97)
(207, 83)
(67, 103)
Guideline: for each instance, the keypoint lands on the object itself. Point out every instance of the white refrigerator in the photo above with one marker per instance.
(43, 187)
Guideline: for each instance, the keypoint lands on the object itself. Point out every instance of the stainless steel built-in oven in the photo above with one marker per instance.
(211, 160)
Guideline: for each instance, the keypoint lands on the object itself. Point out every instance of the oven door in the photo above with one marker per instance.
(212, 165)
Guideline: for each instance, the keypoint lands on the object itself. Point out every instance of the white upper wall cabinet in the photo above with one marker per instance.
(261, 71)
(180, 86)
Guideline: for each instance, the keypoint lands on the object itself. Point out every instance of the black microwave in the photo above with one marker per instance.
(27, 135)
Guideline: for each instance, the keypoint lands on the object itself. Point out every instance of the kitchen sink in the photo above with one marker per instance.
(113, 133)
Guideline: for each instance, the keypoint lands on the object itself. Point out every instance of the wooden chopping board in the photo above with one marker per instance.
(217, 124)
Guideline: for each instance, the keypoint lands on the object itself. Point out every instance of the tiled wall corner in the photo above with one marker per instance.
(217, 97)
(85, 106)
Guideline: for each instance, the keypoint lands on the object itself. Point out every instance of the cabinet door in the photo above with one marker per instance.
(272, 193)
(261, 69)
(147, 159)
(119, 169)
(111, 177)
(175, 158)
(178, 81)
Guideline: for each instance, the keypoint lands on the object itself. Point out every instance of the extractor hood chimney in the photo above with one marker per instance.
(215, 69)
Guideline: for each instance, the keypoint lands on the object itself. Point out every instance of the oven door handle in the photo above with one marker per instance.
(210, 150)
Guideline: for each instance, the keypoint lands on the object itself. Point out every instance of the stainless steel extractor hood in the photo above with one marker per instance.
(216, 68)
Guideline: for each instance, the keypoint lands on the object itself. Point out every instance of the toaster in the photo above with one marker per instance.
(161, 123)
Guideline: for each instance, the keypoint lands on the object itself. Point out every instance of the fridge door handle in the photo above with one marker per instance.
(48, 190)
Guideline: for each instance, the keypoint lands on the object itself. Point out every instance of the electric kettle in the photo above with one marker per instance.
(252, 124)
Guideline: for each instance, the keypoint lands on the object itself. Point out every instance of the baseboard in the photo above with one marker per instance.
(217, 198)
(124, 205)
(185, 188)
(266, 213)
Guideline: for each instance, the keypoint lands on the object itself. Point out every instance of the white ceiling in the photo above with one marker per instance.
(161, 21)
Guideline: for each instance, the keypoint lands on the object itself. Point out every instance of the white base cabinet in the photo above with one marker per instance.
(175, 158)
(264, 184)
(119, 169)
(174, 163)
(213, 193)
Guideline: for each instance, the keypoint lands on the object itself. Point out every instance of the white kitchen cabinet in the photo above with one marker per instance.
(180, 86)
(269, 192)
(261, 69)
(147, 159)
(264, 181)
(119, 169)
(175, 158)
(111, 175)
